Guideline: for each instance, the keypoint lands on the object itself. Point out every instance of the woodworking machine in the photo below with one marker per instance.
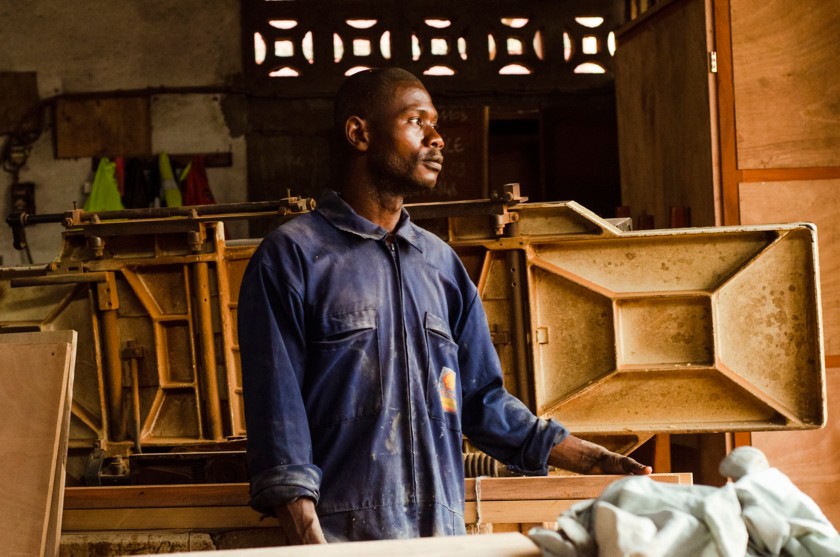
(618, 334)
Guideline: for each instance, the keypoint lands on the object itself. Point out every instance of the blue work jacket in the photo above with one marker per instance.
(364, 360)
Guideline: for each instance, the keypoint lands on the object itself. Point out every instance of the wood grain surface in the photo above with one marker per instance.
(816, 201)
(666, 116)
(809, 458)
(35, 397)
(787, 83)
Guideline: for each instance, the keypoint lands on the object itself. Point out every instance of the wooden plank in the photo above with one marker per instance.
(816, 201)
(225, 506)
(164, 518)
(552, 487)
(729, 173)
(809, 458)
(786, 96)
(490, 545)
(236, 494)
(662, 453)
(103, 127)
(790, 174)
(35, 395)
(231, 517)
(508, 512)
(122, 497)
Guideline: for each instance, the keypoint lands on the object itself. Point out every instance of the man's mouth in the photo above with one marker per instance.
(435, 162)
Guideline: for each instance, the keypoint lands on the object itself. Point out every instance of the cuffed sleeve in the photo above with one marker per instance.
(282, 484)
(273, 355)
(494, 420)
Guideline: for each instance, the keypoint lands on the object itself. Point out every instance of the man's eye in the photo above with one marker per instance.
(414, 120)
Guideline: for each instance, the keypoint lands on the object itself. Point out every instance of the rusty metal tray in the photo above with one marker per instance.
(679, 330)
(614, 333)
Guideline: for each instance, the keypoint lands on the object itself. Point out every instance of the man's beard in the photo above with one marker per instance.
(396, 176)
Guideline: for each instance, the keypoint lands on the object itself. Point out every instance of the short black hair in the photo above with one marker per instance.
(366, 90)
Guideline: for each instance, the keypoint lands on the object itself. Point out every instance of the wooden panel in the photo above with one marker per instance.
(151, 496)
(729, 173)
(36, 415)
(514, 512)
(163, 518)
(787, 95)
(18, 99)
(815, 201)
(225, 506)
(493, 545)
(550, 487)
(664, 98)
(809, 458)
(102, 127)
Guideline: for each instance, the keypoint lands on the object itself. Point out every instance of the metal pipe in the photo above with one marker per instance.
(198, 210)
(201, 281)
(27, 219)
(519, 323)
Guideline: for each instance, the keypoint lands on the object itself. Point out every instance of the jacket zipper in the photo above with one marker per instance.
(395, 257)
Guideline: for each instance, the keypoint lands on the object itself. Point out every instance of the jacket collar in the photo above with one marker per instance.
(342, 216)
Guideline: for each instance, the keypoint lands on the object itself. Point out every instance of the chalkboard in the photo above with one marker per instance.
(464, 174)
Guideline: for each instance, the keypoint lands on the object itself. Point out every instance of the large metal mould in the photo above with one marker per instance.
(619, 335)
(691, 330)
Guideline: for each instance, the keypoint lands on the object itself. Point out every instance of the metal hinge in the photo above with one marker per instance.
(713, 61)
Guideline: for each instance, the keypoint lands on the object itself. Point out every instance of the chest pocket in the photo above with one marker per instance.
(443, 394)
(343, 375)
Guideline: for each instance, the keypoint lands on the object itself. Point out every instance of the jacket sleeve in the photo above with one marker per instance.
(273, 354)
(493, 419)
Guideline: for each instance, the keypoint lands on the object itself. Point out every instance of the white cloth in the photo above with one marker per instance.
(761, 513)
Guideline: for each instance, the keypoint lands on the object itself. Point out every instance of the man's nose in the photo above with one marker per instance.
(434, 138)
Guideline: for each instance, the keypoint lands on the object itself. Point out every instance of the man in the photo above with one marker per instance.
(366, 352)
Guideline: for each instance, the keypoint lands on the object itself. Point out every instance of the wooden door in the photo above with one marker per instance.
(666, 103)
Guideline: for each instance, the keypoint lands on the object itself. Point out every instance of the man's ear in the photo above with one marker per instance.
(357, 134)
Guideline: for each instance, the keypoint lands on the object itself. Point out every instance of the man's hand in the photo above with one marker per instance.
(576, 455)
(299, 522)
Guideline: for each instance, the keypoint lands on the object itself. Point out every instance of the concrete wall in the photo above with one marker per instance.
(92, 46)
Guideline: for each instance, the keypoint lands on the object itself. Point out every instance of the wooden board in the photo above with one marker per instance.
(35, 397)
(786, 69)
(225, 506)
(199, 519)
(809, 458)
(102, 127)
(550, 487)
(665, 99)
(493, 545)
(816, 201)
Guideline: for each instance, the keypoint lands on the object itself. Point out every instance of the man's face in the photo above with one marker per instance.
(405, 148)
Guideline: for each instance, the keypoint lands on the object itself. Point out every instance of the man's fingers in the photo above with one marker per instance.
(637, 468)
(614, 463)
